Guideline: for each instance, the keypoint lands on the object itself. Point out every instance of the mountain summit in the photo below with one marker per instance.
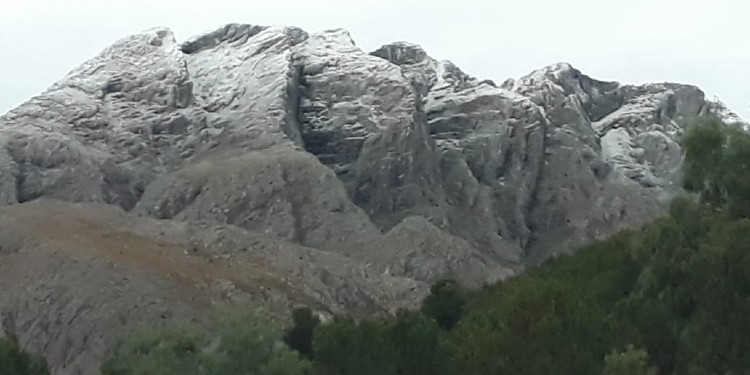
(256, 164)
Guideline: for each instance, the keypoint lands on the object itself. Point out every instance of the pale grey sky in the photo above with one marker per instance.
(705, 43)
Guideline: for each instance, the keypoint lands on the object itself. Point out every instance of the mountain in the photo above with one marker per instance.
(269, 165)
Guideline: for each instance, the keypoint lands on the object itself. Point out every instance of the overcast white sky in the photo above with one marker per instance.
(706, 43)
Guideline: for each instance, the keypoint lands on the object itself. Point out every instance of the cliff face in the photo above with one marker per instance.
(274, 164)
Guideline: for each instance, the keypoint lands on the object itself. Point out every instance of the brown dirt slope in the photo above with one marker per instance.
(73, 276)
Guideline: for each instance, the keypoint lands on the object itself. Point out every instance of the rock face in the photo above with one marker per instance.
(268, 163)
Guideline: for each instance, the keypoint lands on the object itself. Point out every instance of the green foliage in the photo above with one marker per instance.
(717, 166)
(300, 336)
(530, 315)
(416, 341)
(247, 343)
(148, 351)
(409, 343)
(345, 347)
(722, 318)
(630, 362)
(736, 167)
(690, 217)
(445, 303)
(13, 361)
(704, 152)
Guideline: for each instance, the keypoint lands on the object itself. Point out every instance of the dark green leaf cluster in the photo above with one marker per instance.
(14, 361)
(299, 337)
(408, 343)
(717, 166)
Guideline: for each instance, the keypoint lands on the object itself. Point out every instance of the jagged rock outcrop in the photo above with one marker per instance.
(341, 179)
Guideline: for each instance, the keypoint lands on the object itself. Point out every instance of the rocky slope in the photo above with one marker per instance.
(266, 163)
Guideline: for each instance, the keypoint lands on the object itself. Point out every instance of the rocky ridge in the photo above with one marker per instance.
(270, 163)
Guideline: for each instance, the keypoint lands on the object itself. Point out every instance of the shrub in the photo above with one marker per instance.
(13, 361)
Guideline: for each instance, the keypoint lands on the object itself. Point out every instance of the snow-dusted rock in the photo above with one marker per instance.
(390, 169)
(518, 171)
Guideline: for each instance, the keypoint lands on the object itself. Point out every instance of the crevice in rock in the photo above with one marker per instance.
(292, 125)
(228, 33)
(335, 148)
(22, 194)
(533, 201)
(299, 230)
(8, 326)
(503, 168)
(528, 203)
(671, 109)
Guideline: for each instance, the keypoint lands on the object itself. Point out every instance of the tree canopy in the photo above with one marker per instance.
(14, 361)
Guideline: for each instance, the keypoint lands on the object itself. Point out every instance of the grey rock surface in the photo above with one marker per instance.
(254, 164)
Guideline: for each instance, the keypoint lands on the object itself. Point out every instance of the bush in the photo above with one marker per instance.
(717, 166)
(236, 344)
(300, 336)
(345, 347)
(416, 341)
(445, 303)
(13, 361)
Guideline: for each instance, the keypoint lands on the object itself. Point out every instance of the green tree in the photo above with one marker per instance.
(345, 347)
(692, 218)
(717, 165)
(416, 340)
(14, 361)
(736, 170)
(300, 336)
(717, 337)
(534, 326)
(704, 145)
(148, 351)
(247, 343)
(445, 303)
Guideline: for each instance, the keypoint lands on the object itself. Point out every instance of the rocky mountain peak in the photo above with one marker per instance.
(402, 53)
(255, 163)
(231, 33)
